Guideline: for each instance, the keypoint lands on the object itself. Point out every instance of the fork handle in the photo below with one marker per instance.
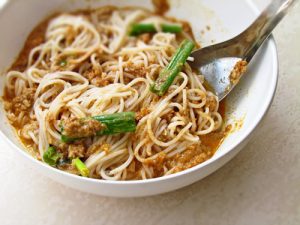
(263, 26)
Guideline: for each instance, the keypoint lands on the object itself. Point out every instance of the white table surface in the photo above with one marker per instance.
(259, 186)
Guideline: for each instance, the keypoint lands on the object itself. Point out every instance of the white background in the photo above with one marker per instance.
(259, 186)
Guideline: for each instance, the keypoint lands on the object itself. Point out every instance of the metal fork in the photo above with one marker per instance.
(217, 62)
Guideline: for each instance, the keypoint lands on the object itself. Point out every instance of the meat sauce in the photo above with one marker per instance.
(191, 157)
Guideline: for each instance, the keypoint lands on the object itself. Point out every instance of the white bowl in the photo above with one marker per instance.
(249, 101)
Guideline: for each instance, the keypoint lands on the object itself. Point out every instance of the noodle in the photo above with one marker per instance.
(86, 66)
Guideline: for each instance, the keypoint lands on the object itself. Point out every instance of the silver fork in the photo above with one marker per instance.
(217, 62)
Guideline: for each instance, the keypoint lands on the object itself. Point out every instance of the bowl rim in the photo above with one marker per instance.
(270, 43)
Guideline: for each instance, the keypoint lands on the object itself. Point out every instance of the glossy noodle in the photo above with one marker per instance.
(87, 65)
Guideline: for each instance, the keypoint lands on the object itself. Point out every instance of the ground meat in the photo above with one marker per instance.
(145, 38)
(157, 161)
(211, 103)
(168, 116)
(68, 168)
(164, 137)
(137, 70)
(99, 82)
(133, 170)
(94, 77)
(70, 151)
(76, 150)
(29, 127)
(157, 164)
(191, 157)
(22, 103)
(79, 128)
(91, 74)
(62, 148)
(142, 113)
(13, 119)
(238, 71)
